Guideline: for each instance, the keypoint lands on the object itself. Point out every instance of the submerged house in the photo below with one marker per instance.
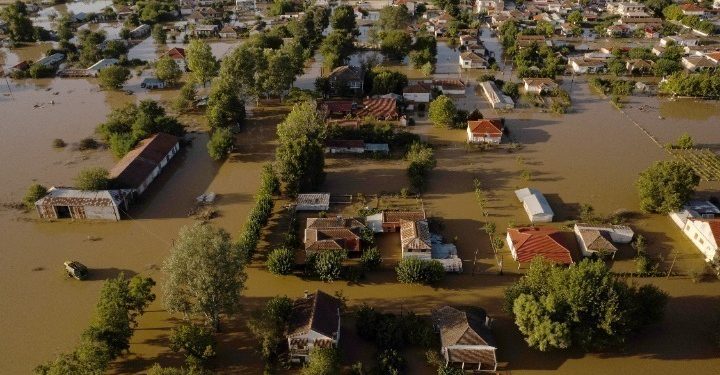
(139, 167)
(69, 203)
(332, 233)
(314, 323)
(594, 239)
(466, 339)
(415, 239)
(527, 243)
(346, 77)
(485, 131)
(391, 221)
(700, 222)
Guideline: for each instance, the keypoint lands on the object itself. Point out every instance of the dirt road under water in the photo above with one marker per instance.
(591, 156)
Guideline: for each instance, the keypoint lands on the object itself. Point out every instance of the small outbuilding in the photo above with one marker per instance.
(152, 83)
(313, 202)
(69, 203)
(344, 146)
(536, 206)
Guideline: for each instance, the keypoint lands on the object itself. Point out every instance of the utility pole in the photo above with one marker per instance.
(675, 255)
(475, 261)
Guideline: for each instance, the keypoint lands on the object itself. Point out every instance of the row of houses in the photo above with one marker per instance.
(130, 177)
(699, 221)
(466, 338)
(562, 247)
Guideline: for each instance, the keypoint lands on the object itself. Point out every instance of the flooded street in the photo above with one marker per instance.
(591, 155)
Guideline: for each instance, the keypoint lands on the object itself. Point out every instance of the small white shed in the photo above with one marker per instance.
(535, 205)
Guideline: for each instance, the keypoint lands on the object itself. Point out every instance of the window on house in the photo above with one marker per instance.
(701, 241)
(696, 236)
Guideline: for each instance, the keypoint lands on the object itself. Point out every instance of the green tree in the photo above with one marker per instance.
(371, 258)
(279, 7)
(33, 194)
(666, 186)
(393, 18)
(114, 49)
(511, 89)
(185, 100)
(422, 161)
(616, 67)
(583, 305)
(125, 126)
(343, 18)
(89, 358)
(201, 61)
(685, 142)
(396, 44)
(322, 361)
(279, 75)
(269, 324)
(281, 261)
(205, 274)
(40, 71)
(121, 301)
(657, 6)
(225, 108)
(545, 28)
(19, 27)
(387, 81)
(167, 70)
(300, 155)
(414, 270)
(220, 144)
(88, 41)
(673, 12)
(156, 369)
(327, 264)
(113, 77)
(195, 340)
(575, 17)
(336, 48)
(96, 178)
(442, 111)
(159, 34)
(63, 29)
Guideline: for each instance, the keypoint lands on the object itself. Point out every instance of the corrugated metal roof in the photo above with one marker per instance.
(61, 196)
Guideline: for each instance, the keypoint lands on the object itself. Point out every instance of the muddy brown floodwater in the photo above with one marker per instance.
(591, 156)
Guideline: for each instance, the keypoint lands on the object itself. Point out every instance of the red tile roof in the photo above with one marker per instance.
(490, 127)
(691, 7)
(177, 53)
(547, 242)
(380, 108)
(135, 167)
(714, 228)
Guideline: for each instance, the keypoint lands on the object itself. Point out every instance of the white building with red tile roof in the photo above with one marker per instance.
(527, 243)
(485, 131)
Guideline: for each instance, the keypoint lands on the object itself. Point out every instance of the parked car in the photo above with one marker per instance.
(76, 269)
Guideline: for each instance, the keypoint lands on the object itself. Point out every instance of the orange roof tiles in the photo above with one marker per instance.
(548, 242)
